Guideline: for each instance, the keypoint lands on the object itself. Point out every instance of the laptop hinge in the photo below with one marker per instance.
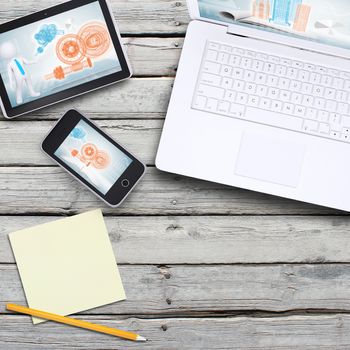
(231, 30)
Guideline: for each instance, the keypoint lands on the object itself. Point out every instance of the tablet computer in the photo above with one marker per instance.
(58, 53)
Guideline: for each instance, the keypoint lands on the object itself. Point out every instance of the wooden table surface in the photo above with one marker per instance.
(214, 267)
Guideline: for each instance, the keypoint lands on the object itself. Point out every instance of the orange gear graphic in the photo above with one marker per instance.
(70, 49)
(101, 160)
(89, 151)
(96, 38)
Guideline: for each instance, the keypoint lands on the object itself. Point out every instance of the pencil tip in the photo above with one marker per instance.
(140, 338)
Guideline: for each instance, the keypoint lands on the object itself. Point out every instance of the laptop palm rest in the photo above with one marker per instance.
(269, 159)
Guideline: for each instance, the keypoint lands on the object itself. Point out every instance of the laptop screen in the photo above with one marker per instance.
(322, 21)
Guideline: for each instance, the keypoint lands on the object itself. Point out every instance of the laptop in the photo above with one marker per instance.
(261, 99)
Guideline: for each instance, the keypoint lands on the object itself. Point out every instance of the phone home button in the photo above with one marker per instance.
(125, 183)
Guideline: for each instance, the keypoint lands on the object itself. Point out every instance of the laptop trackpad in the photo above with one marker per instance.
(270, 159)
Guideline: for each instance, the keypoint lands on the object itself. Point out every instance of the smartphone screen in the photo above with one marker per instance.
(93, 157)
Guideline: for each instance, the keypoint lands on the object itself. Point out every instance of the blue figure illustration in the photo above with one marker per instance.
(293, 9)
(281, 12)
(46, 34)
(78, 133)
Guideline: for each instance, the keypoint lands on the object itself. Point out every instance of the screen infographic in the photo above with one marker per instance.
(322, 21)
(93, 157)
(56, 53)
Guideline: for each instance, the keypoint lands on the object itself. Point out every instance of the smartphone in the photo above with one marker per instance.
(93, 157)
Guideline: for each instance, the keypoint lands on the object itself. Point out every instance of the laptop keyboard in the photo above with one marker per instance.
(275, 91)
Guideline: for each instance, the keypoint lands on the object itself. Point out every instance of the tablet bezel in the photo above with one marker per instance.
(124, 73)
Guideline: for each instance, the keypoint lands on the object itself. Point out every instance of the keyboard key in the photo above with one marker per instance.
(284, 83)
(288, 108)
(315, 78)
(258, 65)
(276, 106)
(237, 73)
(326, 80)
(242, 98)
(250, 88)
(269, 68)
(200, 102)
(253, 101)
(272, 118)
(331, 106)
(261, 78)
(345, 137)
(324, 128)
(285, 95)
(214, 46)
(227, 83)
(223, 107)
(246, 63)
(308, 101)
(211, 91)
(297, 98)
(212, 55)
(237, 110)
(223, 57)
(318, 91)
(211, 67)
(311, 113)
(226, 71)
(265, 103)
(272, 93)
(238, 85)
(335, 134)
(211, 79)
(343, 108)
(235, 60)
(261, 90)
(310, 125)
(230, 95)
(323, 116)
(300, 111)
(249, 75)
(212, 104)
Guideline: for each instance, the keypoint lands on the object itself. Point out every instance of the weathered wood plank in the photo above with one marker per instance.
(133, 16)
(154, 56)
(213, 240)
(213, 288)
(137, 98)
(51, 190)
(252, 333)
(23, 148)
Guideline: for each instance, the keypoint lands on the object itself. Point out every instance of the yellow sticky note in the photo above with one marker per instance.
(67, 266)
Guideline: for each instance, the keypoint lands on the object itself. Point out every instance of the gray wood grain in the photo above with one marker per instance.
(51, 190)
(154, 56)
(136, 98)
(213, 288)
(141, 137)
(132, 16)
(243, 333)
(213, 239)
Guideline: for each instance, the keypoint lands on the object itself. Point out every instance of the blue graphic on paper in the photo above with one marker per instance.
(281, 11)
(46, 34)
(293, 9)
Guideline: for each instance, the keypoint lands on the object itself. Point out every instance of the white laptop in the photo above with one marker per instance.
(261, 99)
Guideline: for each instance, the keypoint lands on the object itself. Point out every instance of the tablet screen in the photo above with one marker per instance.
(57, 53)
